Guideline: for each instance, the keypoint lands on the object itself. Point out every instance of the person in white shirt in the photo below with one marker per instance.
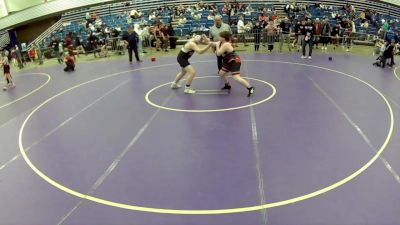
(240, 25)
(139, 32)
(182, 21)
(241, 30)
(135, 14)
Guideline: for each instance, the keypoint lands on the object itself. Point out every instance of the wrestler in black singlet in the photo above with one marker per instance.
(183, 57)
(231, 62)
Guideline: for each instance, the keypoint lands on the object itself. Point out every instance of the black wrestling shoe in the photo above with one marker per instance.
(251, 91)
(227, 87)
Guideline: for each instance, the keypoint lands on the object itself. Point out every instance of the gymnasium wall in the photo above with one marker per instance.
(30, 32)
(17, 5)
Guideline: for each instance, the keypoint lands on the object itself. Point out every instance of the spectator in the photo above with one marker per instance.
(257, 30)
(241, 30)
(165, 36)
(270, 30)
(131, 40)
(78, 45)
(19, 56)
(134, 14)
(249, 26)
(215, 30)
(93, 41)
(301, 33)
(365, 24)
(68, 40)
(114, 38)
(262, 18)
(326, 30)
(61, 50)
(152, 17)
(196, 16)
(362, 15)
(54, 44)
(94, 16)
(39, 53)
(389, 52)
(318, 32)
(182, 21)
(139, 32)
(171, 35)
(349, 28)
(32, 54)
(335, 35)
(274, 17)
(285, 30)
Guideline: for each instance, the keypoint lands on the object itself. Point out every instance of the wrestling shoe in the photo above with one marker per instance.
(227, 87)
(189, 90)
(251, 91)
(175, 85)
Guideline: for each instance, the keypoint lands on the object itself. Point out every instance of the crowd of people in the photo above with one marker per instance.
(297, 30)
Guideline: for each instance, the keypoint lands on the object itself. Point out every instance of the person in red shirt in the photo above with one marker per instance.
(318, 32)
(69, 61)
(165, 33)
(274, 17)
(262, 18)
(68, 40)
(32, 54)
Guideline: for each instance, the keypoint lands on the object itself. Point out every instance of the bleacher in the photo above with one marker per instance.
(74, 21)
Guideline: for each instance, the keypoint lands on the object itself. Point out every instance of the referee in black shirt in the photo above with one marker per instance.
(131, 39)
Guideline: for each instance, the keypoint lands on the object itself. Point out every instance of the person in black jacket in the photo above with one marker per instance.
(389, 53)
(131, 40)
(172, 38)
(308, 31)
(54, 44)
(257, 31)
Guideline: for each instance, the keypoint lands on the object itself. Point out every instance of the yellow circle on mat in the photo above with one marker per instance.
(209, 211)
(148, 100)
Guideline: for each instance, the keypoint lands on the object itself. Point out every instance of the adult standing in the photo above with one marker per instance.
(318, 32)
(335, 35)
(39, 53)
(78, 45)
(301, 33)
(286, 29)
(241, 30)
(257, 30)
(165, 34)
(54, 44)
(139, 32)
(114, 38)
(215, 30)
(19, 57)
(131, 40)
(308, 31)
(172, 38)
(325, 35)
(270, 30)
